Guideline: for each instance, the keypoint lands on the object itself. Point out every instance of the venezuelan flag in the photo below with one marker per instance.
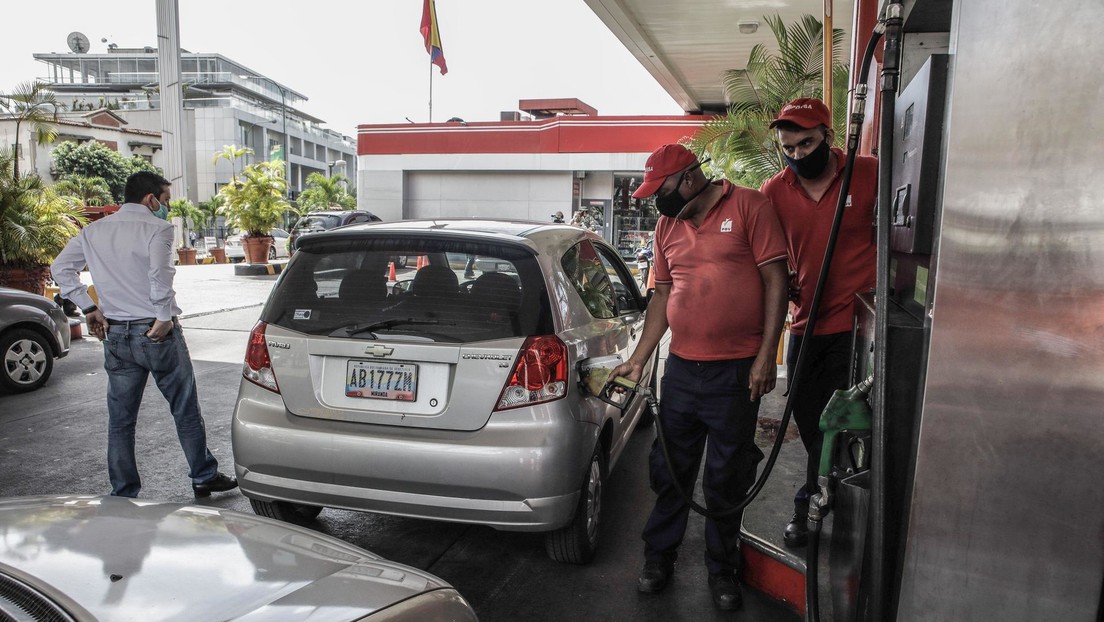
(432, 36)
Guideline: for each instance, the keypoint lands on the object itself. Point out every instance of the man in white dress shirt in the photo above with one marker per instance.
(129, 255)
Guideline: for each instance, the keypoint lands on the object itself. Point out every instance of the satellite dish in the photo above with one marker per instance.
(77, 42)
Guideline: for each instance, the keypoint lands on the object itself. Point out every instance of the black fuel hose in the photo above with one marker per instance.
(812, 546)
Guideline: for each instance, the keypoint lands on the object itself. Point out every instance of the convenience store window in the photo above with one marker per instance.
(634, 220)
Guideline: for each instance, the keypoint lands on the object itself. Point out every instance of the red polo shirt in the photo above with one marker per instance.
(807, 224)
(716, 305)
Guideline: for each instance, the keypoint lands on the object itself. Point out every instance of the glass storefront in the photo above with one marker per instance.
(634, 220)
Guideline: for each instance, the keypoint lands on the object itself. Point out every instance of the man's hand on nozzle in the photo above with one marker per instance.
(630, 369)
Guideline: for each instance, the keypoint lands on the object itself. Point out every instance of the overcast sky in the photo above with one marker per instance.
(364, 61)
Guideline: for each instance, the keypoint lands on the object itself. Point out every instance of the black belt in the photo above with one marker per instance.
(138, 322)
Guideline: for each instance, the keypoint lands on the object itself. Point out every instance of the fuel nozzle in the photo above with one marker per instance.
(847, 410)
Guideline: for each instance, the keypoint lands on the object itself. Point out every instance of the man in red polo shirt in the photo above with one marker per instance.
(720, 280)
(805, 195)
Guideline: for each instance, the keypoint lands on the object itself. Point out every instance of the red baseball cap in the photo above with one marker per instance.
(808, 112)
(664, 162)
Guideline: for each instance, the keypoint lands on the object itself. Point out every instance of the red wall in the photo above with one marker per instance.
(558, 135)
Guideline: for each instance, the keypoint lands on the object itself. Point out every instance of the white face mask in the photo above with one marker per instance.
(162, 210)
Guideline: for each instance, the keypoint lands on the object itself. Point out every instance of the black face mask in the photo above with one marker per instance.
(672, 203)
(812, 165)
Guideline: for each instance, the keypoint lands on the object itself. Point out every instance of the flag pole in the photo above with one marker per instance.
(431, 91)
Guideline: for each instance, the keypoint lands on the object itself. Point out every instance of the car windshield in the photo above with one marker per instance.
(437, 290)
(318, 222)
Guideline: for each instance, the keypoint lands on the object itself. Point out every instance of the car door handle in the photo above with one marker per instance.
(629, 319)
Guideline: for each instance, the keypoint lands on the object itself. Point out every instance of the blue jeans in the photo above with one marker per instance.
(706, 407)
(129, 358)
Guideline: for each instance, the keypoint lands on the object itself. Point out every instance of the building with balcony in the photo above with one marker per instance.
(225, 103)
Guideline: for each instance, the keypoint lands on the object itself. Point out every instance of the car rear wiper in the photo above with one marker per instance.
(356, 329)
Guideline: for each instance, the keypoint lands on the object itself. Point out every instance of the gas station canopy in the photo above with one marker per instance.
(688, 45)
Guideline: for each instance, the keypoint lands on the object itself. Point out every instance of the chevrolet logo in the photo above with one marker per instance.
(378, 350)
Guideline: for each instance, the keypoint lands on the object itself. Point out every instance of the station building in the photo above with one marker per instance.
(553, 155)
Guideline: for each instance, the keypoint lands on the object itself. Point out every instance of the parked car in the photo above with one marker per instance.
(114, 558)
(324, 220)
(279, 249)
(34, 331)
(436, 398)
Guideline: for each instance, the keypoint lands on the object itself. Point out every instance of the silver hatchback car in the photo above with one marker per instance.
(454, 391)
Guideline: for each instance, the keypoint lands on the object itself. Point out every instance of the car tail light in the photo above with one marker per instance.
(539, 375)
(258, 367)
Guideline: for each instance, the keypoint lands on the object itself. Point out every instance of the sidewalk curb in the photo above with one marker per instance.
(258, 269)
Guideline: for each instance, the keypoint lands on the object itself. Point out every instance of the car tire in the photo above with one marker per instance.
(27, 360)
(577, 542)
(400, 261)
(271, 253)
(294, 513)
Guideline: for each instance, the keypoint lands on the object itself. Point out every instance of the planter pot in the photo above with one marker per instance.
(31, 279)
(218, 254)
(256, 248)
(186, 256)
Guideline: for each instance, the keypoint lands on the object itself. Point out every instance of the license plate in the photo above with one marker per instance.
(382, 381)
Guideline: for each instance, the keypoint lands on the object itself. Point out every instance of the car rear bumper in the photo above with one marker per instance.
(521, 472)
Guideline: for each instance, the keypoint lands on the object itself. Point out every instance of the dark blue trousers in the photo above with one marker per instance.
(706, 406)
(826, 369)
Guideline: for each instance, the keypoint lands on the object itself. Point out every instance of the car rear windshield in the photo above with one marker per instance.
(436, 290)
(318, 222)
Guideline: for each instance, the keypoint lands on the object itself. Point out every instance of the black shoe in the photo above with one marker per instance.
(796, 532)
(218, 483)
(726, 591)
(654, 576)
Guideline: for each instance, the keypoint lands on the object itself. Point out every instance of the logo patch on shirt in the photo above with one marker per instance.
(726, 225)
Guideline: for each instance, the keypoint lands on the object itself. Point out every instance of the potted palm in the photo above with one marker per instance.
(189, 216)
(255, 203)
(35, 224)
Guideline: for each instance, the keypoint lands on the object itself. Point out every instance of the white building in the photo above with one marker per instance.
(225, 103)
(102, 125)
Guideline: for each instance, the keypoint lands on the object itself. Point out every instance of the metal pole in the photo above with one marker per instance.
(431, 91)
(829, 53)
(287, 154)
(172, 95)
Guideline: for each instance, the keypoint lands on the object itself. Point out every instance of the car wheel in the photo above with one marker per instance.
(28, 360)
(294, 513)
(577, 542)
(400, 261)
(271, 253)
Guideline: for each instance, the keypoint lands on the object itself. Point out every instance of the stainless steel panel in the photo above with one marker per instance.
(1007, 521)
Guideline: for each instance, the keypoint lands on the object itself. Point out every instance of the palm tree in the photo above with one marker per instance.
(231, 153)
(91, 191)
(740, 144)
(323, 192)
(34, 103)
(35, 224)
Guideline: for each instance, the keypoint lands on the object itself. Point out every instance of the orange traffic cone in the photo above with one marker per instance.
(418, 265)
(651, 279)
(391, 272)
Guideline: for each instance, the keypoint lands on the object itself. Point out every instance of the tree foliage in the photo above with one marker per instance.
(323, 192)
(35, 220)
(255, 204)
(742, 147)
(33, 103)
(95, 159)
(92, 191)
